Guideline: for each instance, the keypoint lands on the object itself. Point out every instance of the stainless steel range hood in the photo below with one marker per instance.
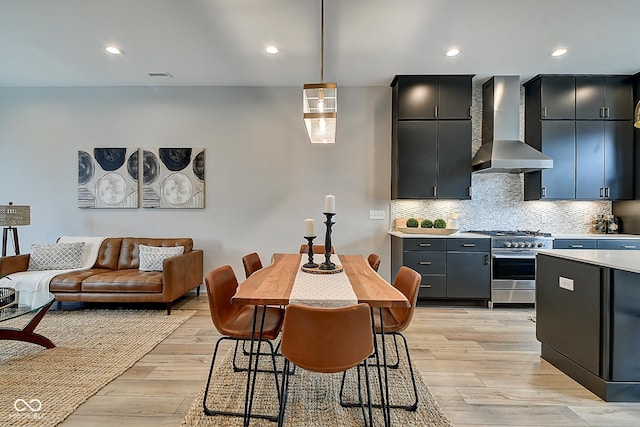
(501, 150)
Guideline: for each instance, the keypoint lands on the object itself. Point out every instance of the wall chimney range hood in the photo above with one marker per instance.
(501, 150)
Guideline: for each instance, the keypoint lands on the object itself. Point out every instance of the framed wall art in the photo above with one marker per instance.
(173, 178)
(108, 178)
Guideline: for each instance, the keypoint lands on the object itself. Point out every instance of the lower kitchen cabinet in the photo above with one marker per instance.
(608, 243)
(451, 268)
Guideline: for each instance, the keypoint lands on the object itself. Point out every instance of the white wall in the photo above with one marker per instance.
(263, 177)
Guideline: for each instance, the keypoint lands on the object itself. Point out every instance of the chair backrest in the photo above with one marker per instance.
(221, 286)
(317, 249)
(408, 282)
(327, 339)
(374, 261)
(251, 263)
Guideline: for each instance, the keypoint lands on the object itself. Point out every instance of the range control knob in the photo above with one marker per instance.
(514, 244)
(527, 244)
(521, 244)
(507, 244)
(540, 245)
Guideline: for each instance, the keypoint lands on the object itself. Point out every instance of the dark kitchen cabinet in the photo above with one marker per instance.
(604, 164)
(555, 138)
(431, 137)
(604, 97)
(452, 268)
(608, 243)
(591, 149)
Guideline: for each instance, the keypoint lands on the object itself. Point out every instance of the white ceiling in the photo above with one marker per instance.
(367, 42)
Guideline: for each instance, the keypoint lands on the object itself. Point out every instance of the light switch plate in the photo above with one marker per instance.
(376, 214)
(565, 283)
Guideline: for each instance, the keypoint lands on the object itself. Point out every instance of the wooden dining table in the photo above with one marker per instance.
(272, 286)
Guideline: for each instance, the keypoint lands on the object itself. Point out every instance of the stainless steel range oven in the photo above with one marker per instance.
(513, 265)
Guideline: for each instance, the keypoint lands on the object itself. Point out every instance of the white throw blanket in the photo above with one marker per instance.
(39, 280)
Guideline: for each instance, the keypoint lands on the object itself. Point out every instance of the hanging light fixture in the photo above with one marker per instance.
(637, 116)
(320, 103)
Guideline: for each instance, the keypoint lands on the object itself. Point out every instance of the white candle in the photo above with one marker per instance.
(330, 203)
(308, 228)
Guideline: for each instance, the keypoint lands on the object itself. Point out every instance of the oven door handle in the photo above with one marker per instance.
(519, 255)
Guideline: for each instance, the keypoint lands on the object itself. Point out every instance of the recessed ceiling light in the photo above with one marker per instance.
(453, 52)
(272, 50)
(114, 50)
(559, 52)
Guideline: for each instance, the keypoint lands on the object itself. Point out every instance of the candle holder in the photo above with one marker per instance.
(310, 264)
(327, 264)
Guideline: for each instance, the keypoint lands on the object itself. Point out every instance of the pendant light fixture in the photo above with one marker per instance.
(320, 103)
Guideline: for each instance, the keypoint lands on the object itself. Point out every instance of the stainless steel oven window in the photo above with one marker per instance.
(516, 268)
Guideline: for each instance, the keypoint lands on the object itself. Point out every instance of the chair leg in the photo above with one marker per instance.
(284, 392)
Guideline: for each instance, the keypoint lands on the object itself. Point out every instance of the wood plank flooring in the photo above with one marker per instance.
(483, 367)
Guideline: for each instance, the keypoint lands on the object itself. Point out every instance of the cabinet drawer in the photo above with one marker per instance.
(433, 286)
(623, 244)
(469, 245)
(575, 244)
(426, 262)
(424, 244)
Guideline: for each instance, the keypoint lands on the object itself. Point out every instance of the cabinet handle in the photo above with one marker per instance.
(469, 245)
(544, 191)
(601, 192)
(544, 112)
(606, 112)
(435, 111)
(486, 260)
(470, 191)
(606, 191)
(424, 245)
(469, 111)
(424, 286)
(629, 246)
(602, 112)
(576, 246)
(435, 191)
(425, 263)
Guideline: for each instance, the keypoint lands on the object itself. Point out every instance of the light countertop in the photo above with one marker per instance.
(457, 235)
(620, 260)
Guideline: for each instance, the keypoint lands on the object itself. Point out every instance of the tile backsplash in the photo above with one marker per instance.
(498, 199)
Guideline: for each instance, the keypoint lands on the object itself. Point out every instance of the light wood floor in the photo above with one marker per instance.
(482, 366)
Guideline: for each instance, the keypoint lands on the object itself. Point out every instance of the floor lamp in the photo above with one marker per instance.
(12, 216)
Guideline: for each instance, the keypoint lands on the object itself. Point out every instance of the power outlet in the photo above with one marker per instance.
(565, 283)
(376, 214)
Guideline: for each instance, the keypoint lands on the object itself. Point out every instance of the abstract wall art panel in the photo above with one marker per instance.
(173, 178)
(108, 178)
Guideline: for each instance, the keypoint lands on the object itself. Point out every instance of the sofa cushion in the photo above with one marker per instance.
(129, 280)
(152, 257)
(72, 281)
(56, 256)
(129, 252)
(109, 253)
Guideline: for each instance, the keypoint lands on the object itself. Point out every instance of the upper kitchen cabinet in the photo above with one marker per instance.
(431, 137)
(604, 97)
(552, 97)
(432, 97)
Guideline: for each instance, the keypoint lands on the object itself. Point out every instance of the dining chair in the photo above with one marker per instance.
(374, 261)
(251, 263)
(396, 320)
(317, 249)
(326, 340)
(235, 323)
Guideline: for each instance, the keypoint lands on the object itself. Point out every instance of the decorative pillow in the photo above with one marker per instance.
(56, 256)
(151, 257)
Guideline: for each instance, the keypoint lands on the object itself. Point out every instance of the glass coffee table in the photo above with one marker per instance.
(34, 303)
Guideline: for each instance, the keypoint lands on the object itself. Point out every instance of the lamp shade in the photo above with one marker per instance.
(637, 116)
(12, 215)
(320, 108)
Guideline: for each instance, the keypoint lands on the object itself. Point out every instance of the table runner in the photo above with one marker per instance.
(322, 290)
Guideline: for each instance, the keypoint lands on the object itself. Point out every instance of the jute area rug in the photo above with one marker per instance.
(313, 399)
(92, 348)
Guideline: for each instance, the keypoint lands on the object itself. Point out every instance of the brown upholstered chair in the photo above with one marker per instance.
(326, 340)
(317, 249)
(374, 261)
(396, 320)
(251, 263)
(235, 323)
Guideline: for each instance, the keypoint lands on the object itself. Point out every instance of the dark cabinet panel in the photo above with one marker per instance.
(426, 262)
(618, 160)
(417, 97)
(454, 159)
(557, 97)
(574, 243)
(604, 97)
(619, 244)
(417, 161)
(454, 97)
(468, 275)
(558, 142)
(589, 159)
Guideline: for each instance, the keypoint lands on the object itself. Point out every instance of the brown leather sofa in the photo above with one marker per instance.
(115, 276)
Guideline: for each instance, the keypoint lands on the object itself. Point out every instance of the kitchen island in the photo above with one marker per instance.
(588, 318)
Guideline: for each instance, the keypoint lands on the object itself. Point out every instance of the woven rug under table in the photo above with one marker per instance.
(313, 398)
(93, 347)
